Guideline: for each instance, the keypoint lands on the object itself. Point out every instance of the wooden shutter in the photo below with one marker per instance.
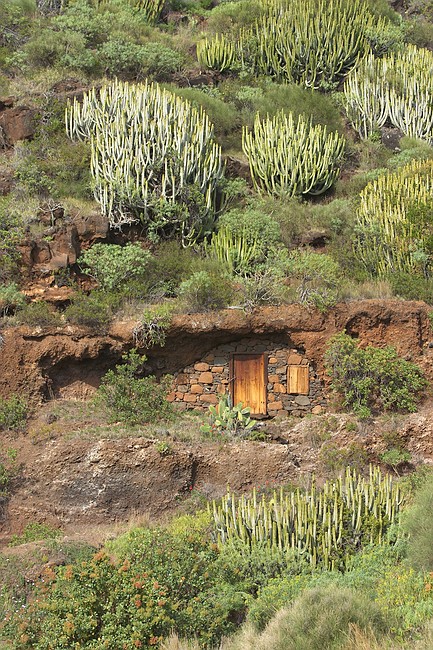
(249, 381)
(298, 380)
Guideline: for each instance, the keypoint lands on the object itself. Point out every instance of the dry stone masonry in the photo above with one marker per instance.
(202, 383)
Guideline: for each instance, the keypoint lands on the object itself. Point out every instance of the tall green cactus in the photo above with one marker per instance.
(288, 158)
(324, 525)
(234, 250)
(153, 157)
(218, 53)
(394, 223)
(151, 8)
(398, 88)
(309, 42)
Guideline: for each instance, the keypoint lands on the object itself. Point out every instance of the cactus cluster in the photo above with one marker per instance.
(394, 221)
(310, 42)
(288, 157)
(152, 156)
(217, 53)
(398, 88)
(321, 525)
(151, 8)
(235, 251)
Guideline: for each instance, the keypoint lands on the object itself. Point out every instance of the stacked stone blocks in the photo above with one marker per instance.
(203, 382)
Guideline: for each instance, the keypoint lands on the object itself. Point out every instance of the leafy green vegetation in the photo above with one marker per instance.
(150, 582)
(372, 378)
(210, 137)
(131, 397)
(13, 412)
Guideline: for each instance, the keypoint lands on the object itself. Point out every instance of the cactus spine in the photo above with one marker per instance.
(149, 151)
(321, 525)
(396, 87)
(390, 238)
(288, 158)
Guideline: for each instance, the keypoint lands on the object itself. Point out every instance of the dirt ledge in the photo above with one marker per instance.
(43, 362)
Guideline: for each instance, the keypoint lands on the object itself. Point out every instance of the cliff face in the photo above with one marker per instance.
(69, 362)
(80, 482)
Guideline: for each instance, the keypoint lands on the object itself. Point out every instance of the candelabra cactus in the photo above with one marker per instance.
(153, 157)
(288, 158)
(151, 8)
(233, 250)
(322, 525)
(394, 222)
(396, 87)
(310, 42)
(218, 53)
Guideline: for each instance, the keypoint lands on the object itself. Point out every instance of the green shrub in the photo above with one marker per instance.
(204, 291)
(113, 266)
(38, 314)
(13, 412)
(33, 532)
(292, 98)
(264, 287)
(405, 597)
(11, 235)
(395, 458)
(372, 378)
(170, 265)
(158, 582)
(335, 458)
(95, 310)
(321, 618)
(9, 468)
(153, 325)
(11, 299)
(132, 398)
(133, 61)
(417, 522)
(224, 116)
(411, 287)
(317, 278)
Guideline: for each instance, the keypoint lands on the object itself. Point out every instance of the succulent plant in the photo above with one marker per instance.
(288, 157)
(152, 155)
(391, 236)
(314, 43)
(397, 88)
(321, 525)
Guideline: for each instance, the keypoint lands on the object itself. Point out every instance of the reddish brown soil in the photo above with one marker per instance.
(69, 362)
(74, 482)
(81, 484)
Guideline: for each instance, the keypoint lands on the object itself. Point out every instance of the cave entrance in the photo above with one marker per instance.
(248, 381)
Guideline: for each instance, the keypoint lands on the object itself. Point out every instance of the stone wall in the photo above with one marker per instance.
(201, 383)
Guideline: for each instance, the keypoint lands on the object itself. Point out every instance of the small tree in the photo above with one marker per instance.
(132, 398)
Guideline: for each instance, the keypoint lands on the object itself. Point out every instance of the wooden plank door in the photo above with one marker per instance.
(298, 380)
(249, 381)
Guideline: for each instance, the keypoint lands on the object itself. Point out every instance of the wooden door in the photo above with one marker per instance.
(248, 381)
(298, 380)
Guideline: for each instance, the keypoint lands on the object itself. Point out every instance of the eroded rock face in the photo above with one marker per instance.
(82, 482)
(69, 362)
(61, 241)
(16, 123)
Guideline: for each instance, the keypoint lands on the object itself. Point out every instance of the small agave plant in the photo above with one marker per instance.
(227, 419)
